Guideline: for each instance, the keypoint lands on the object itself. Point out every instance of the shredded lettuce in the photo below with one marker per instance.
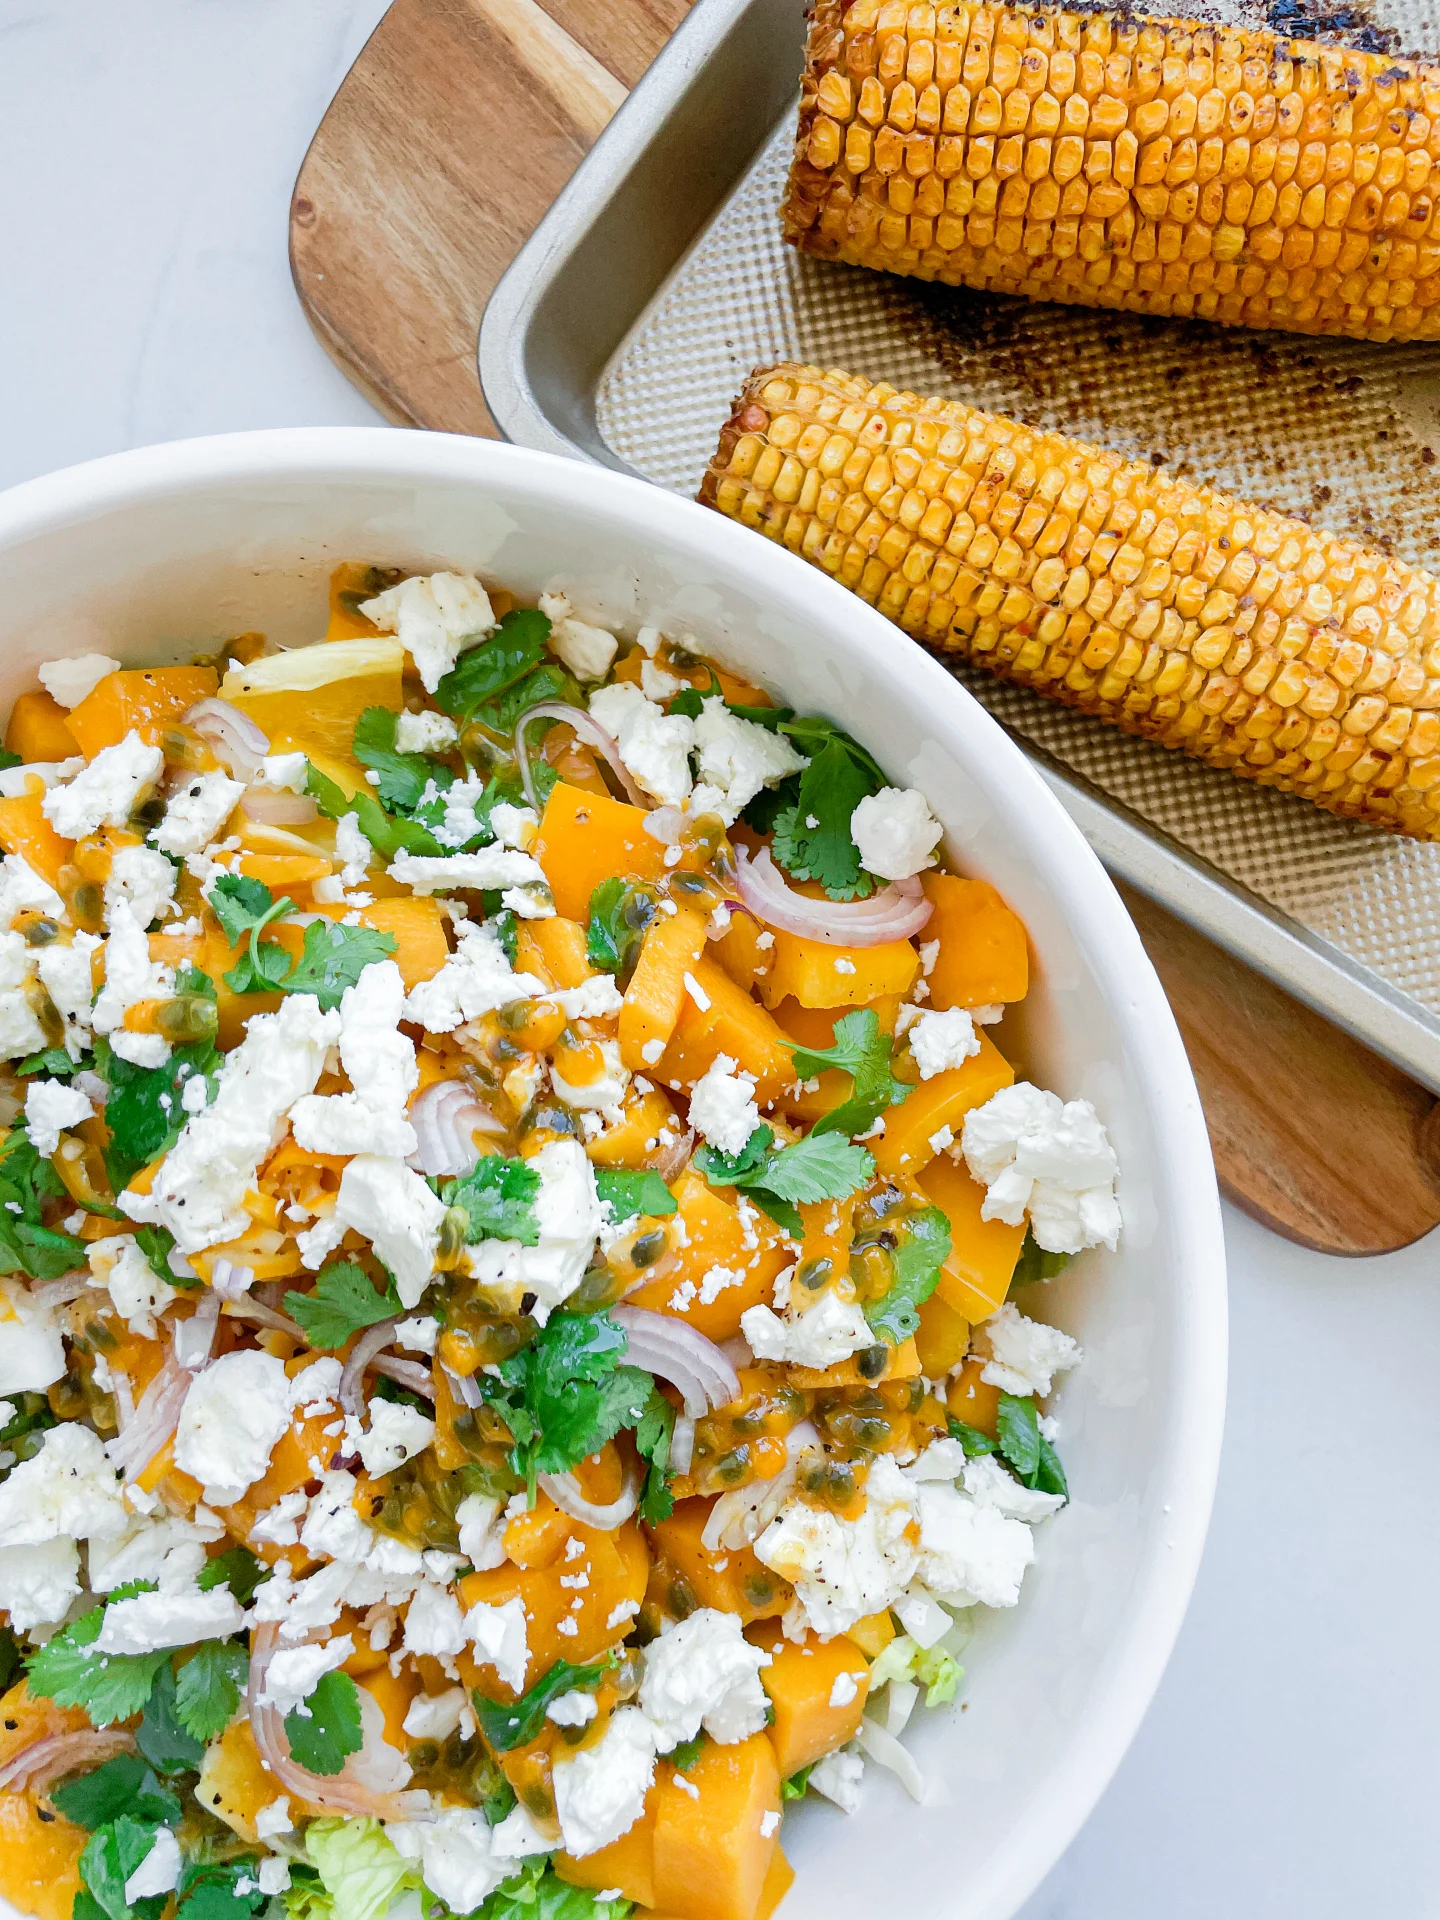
(358, 1867)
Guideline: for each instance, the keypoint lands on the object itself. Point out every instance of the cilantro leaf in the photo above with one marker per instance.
(241, 904)
(27, 1181)
(324, 1730)
(567, 1393)
(971, 1439)
(512, 651)
(1024, 1448)
(403, 776)
(687, 1753)
(862, 1050)
(794, 1787)
(1035, 1263)
(506, 1727)
(628, 1194)
(653, 1435)
(145, 1112)
(505, 925)
(550, 683)
(333, 958)
(109, 1687)
(157, 1244)
(690, 701)
(923, 1248)
(620, 912)
(208, 1687)
(111, 1855)
(236, 1568)
(822, 1166)
(55, 1063)
(210, 1890)
(815, 1168)
(263, 967)
(168, 1746)
(343, 1302)
(9, 759)
(498, 1200)
(10, 1660)
(830, 789)
(122, 1785)
(387, 834)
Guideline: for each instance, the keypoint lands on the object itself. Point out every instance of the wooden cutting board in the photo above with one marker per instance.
(453, 132)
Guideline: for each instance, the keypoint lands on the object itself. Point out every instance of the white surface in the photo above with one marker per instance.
(1286, 1767)
(157, 547)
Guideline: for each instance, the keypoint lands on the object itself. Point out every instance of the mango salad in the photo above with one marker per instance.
(512, 1191)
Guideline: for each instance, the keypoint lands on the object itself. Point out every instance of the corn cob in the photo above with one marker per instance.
(1252, 641)
(1157, 166)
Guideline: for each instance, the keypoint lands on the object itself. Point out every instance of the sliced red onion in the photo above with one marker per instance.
(59, 1293)
(588, 730)
(895, 913)
(670, 1162)
(337, 1793)
(195, 1337)
(374, 1340)
(564, 1490)
(155, 1420)
(465, 1387)
(124, 1399)
(35, 1766)
(408, 1373)
(446, 1117)
(229, 1281)
(682, 1443)
(233, 736)
(662, 1344)
(271, 808)
(260, 1315)
(742, 1514)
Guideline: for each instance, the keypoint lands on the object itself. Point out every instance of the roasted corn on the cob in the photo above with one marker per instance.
(1154, 165)
(1256, 642)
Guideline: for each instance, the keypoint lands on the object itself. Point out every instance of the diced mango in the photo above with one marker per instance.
(977, 1274)
(627, 1863)
(800, 1680)
(145, 699)
(39, 728)
(732, 1024)
(393, 1693)
(713, 1854)
(25, 830)
(616, 1570)
(730, 1578)
(740, 953)
(943, 1337)
(39, 1857)
(819, 975)
(984, 958)
(585, 838)
(671, 948)
(644, 1117)
(418, 928)
(279, 871)
(972, 1399)
(873, 1634)
(234, 1782)
(716, 1245)
(560, 944)
(901, 1363)
(942, 1101)
(309, 699)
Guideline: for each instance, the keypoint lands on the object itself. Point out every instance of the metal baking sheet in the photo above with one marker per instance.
(658, 280)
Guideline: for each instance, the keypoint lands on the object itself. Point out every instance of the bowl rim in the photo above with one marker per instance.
(1130, 1674)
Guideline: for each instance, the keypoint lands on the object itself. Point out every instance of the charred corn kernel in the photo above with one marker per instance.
(1160, 166)
(1277, 650)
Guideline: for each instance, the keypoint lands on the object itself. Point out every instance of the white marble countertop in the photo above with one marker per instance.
(1287, 1768)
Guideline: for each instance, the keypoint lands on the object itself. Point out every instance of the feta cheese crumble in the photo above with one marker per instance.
(600, 1790)
(104, 792)
(895, 832)
(68, 682)
(196, 812)
(52, 1107)
(654, 745)
(736, 758)
(436, 616)
(702, 1671)
(940, 1041)
(822, 1336)
(1027, 1354)
(234, 1412)
(1038, 1155)
(722, 1106)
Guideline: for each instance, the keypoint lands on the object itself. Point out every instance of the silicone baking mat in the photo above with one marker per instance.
(1343, 432)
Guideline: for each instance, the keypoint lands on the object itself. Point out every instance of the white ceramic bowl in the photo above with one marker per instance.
(161, 553)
